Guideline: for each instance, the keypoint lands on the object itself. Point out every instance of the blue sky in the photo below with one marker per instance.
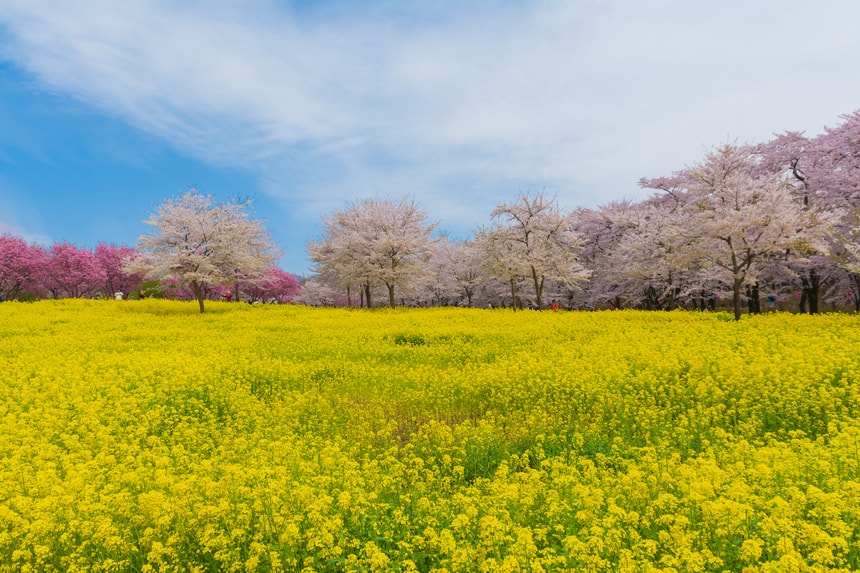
(107, 108)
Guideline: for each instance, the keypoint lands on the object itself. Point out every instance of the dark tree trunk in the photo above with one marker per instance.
(810, 294)
(672, 299)
(390, 295)
(753, 299)
(652, 302)
(736, 298)
(855, 292)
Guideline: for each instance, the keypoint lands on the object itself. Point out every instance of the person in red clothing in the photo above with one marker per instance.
(554, 305)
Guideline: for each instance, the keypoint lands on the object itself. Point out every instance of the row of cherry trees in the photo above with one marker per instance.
(747, 223)
(29, 271)
(774, 222)
(388, 245)
(63, 270)
(198, 250)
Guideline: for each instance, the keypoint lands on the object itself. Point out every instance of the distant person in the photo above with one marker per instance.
(554, 305)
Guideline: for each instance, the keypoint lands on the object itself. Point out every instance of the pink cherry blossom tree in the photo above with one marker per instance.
(111, 259)
(72, 272)
(21, 267)
(825, 170)
(273, 285)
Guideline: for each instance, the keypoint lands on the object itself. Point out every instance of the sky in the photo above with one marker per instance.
(108, 108)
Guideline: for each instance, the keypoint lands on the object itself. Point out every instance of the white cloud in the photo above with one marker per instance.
(10, 227)
(7, 228)
(458, 105)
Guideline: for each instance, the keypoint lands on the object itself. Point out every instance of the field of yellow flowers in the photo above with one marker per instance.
(144, 436)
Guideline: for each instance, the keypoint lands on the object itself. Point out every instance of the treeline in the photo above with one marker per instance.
(752, 226)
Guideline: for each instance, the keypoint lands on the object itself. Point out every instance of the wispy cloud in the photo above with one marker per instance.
(457, 105)
(18, 222)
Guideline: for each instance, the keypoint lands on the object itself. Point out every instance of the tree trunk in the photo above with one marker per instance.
(198, 294)
(753, 300)
(813, 300)
(811, 290)
(736, 297)
(513, 295)
(538, 289)
(855, 292)
(814, 291)
(652, 302)
(390, 295)
(348, 297)
(367, 295)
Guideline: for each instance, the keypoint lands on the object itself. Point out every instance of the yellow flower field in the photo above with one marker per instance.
(144, 436)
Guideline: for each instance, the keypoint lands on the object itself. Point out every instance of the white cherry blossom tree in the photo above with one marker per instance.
(534, 239)
(200, 244)
(372, 243)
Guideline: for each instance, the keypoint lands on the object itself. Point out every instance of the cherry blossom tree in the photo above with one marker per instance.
(318, 292)
(71, 272)
(733, 221)
(438, 287)
(202, 245)
(341, 258)
(538, 241)
(21, 267)
(374, 242)
(273, 284)
(601, 230)
(500, 260)
(465, 269)
(646, 262)
(453, 272)
(825, 170)
(111, 259)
